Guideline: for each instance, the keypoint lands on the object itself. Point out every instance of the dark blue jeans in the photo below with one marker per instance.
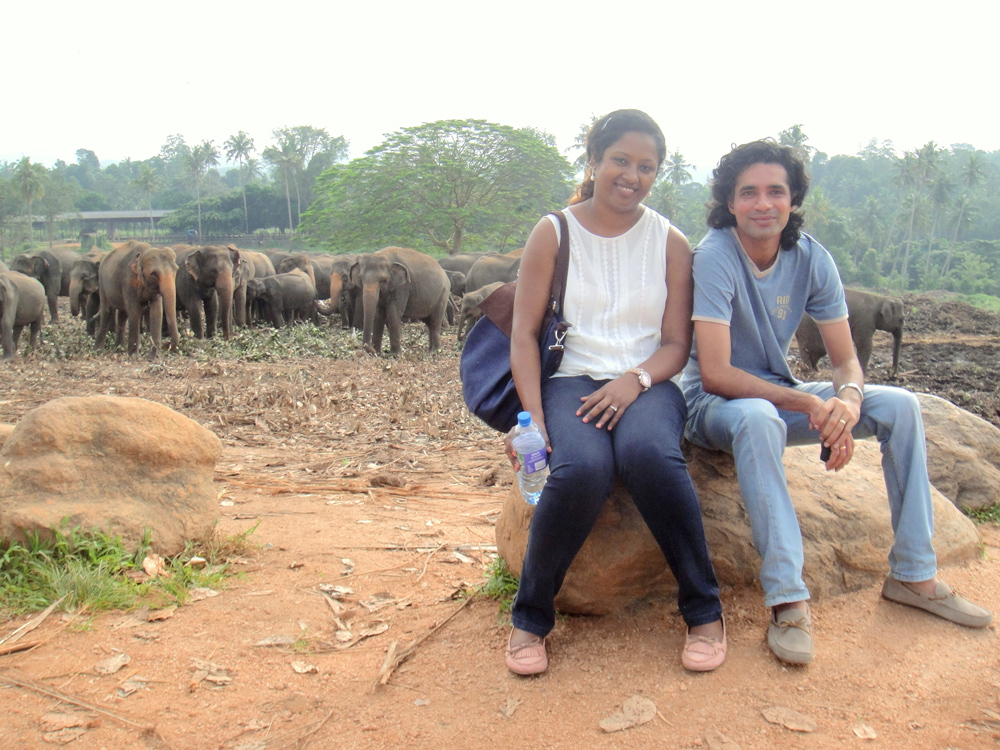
(644, 449)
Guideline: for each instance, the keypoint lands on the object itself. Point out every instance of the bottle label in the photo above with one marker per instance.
(533, 461)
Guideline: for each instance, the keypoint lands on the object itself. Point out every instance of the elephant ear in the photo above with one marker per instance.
(234, 254)
(353, 273)
(401, 269)
(193, 264)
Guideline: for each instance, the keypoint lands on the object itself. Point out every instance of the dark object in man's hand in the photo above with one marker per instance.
(824, 454)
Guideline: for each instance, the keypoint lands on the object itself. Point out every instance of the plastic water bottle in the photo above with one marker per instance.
(534, 459)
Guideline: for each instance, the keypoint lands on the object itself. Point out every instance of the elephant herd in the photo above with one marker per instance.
(138, 285)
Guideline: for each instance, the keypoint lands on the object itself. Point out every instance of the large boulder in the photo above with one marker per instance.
(844, 517)
(963, 453)
(121, 465)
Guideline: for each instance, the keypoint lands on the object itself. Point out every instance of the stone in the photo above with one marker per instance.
(121, 465)
(963, 453)
(844, 518)
(5, 431)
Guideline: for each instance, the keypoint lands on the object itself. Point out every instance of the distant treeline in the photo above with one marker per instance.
(915, 221)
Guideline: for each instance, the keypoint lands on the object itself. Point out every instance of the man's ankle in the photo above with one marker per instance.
(802, 605)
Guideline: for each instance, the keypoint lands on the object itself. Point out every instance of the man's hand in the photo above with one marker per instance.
(835, 418)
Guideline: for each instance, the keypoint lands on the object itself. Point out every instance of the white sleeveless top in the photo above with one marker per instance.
(616, 292)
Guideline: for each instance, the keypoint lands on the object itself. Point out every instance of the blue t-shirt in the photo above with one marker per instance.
(761, 308)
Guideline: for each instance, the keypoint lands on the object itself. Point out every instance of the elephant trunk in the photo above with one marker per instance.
(168, 291)
(326, 309)
(370, 302)
(75, 292)
(224, 289)
(897, 343)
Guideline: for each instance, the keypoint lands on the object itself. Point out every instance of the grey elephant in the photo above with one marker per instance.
(866, 312)
(283, 297)
(205, 283)
(22, 303)
(251, 265)
(344, 295)
(84, 298)
(136, 279)
(399, 283)
(45, 267)
(469, 313)
(461, 262)
(492, 268)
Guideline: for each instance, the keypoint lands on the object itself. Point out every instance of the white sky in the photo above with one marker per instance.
(118, 78)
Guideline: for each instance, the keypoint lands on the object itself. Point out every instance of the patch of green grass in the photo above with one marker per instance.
(500, 585)
(97, 571)
(990, 514)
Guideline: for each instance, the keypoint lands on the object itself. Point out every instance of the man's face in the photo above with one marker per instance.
(761, 202)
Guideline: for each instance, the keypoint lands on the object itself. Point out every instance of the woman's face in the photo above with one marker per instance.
(626, 172)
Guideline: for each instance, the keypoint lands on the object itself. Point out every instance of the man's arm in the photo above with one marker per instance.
(720, 378)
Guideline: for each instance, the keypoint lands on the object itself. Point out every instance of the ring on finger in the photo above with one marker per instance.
(613, 408)
(843, 421)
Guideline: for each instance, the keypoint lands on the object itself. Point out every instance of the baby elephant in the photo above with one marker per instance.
(22, 303)
(866, 313)
(470, 311)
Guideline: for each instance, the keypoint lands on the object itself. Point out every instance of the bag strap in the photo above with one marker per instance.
(558, 292)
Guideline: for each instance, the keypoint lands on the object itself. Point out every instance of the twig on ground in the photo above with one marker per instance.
(394, 659)
(33, 623)
(148, 730)
(429, 559)
(308, 736)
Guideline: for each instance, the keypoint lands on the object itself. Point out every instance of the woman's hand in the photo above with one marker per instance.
(511, 451)
(609, 402)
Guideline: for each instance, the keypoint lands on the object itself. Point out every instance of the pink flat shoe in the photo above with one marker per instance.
(527, 659)
(703, 654)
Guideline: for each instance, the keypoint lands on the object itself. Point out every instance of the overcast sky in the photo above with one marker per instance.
(119, 78)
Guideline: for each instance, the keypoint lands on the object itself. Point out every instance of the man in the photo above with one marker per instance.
(755, 275)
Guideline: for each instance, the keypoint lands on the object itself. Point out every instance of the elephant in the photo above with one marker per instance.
(67, 259)
(399, 283)
(492, 268)
(344, 296)
(284, 296)
(136, 278)
(84, 298)
(276, 256)
(457, 281)
(47, 268)
(469, 313)
(461, 262)
(22, 303)
(866, 313)
(205, 282)
(252, 265)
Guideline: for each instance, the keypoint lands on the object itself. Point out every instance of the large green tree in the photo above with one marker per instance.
(238, 149)
(441, 184)
(197, 161)
(148, 181)
(30, 180)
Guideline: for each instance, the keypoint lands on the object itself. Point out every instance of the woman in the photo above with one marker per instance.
(611, 409)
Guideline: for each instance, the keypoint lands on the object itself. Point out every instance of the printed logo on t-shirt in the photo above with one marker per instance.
(781, 309)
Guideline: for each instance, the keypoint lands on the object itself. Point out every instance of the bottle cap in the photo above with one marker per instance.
(523, 418)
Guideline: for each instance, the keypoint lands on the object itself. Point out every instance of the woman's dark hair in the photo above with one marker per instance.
(607, 131)
(733, 164)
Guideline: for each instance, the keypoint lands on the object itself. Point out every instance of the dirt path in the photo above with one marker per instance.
(369, 475)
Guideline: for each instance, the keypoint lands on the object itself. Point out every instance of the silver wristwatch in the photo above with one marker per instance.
(644, 380)
(854, 386)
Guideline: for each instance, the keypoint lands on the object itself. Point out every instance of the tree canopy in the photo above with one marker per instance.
(451, 185)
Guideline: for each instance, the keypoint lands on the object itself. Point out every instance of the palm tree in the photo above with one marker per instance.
(973, 171)
(238, 149)
(795, 138)
(148, 181)
(30, 181)
(677, 171)
(197, 160)
(286, 156)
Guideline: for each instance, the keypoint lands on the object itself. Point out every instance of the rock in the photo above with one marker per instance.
(844, 518)
(122, 465)
(963, 453)
(5, 431)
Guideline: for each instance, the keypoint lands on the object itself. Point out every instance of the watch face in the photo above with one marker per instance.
(644, 379)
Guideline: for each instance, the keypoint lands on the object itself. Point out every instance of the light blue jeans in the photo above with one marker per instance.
(755, 432)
